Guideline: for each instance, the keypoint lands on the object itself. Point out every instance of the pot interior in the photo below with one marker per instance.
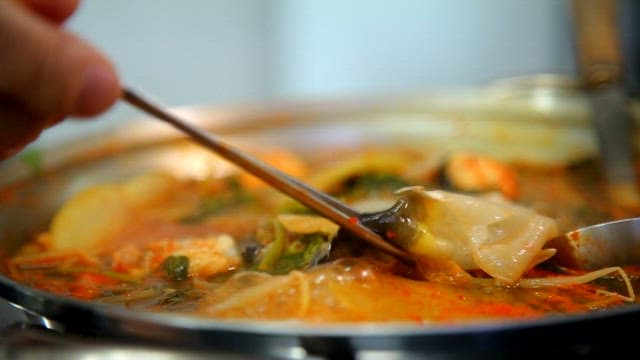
(537, 125)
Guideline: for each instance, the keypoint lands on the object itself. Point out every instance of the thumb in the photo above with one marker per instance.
(50, 72)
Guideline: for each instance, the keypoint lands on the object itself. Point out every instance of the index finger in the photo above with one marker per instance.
(56, 11)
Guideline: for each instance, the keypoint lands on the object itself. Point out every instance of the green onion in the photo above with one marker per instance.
(33, 159)
(274, 250)
(176, 267)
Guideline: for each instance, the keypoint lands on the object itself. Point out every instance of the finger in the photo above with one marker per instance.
(56, 11)
(19, 127)
(51, 72)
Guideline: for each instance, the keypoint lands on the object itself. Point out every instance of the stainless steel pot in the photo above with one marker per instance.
(539, 119)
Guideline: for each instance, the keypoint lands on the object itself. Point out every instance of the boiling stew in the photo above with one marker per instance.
(229, 247)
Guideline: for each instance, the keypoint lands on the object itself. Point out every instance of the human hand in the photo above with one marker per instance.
(46, 73)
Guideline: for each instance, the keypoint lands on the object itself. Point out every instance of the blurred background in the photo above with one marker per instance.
(224, 52)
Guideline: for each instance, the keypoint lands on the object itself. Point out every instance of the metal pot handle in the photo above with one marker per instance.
(598, 44)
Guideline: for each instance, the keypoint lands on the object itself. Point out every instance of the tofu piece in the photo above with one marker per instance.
(208, 255)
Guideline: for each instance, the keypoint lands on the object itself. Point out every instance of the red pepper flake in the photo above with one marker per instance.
(391, 234)
(353, 220)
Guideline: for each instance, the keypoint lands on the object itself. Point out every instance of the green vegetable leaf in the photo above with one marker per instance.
(274, 250)
(291, 251)
(211, 206)
(33, 158)
(302, 254)
(372, 183)
(176, 267)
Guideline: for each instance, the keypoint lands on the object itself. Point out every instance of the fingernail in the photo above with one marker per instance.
(99, 90)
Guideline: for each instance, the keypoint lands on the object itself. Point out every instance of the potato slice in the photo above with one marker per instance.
(95, 214)
(147, 189)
